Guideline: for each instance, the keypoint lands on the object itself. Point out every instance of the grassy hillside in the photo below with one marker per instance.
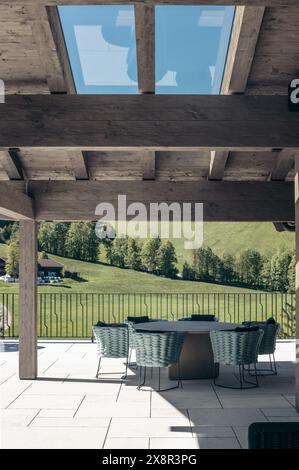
(233, 237)
(100, 278)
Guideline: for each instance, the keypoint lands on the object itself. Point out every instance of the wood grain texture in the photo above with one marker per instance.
(10, 162)
(273, 3)
(145, 47)
(283, 165)
(148, 122)
(223, 201)
(28, 300)
(14, 203)
(244, 36)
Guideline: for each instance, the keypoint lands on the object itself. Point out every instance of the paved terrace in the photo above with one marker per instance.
(67, 408)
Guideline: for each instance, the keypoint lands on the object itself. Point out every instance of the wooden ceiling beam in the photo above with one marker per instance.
(14, 204)
(223, 201)
(145, 46)
(284, 164)
(10, 162)
(148, 122)
(269, 3)
(244, 36)
(148, 165)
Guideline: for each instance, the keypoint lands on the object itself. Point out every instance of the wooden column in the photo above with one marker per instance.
(297, 277)
(28, 300)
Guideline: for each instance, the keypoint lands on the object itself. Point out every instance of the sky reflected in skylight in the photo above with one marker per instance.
(191, 48)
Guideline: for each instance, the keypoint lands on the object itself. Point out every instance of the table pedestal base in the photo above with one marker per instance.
(197, 360)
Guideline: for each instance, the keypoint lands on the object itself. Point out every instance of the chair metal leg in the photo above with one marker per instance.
(99, 366)
(241, 379)
(272, 370)
(127, 362)
(141, 382)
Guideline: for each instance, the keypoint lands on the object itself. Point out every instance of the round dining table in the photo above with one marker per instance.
(197, 359)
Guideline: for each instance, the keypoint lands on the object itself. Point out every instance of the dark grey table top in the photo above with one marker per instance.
(186, 326)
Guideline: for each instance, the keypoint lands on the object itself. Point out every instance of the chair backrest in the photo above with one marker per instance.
(112, 339)
(271, 330)
(140, 319)
(158, 348)
(232, 347)
(200, 317)
(278, 435)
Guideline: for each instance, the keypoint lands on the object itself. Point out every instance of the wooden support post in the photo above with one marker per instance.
(28, 300)
(297, 278)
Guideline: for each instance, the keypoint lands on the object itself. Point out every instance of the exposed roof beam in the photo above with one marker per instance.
(284, 163)
(149, 165)
(60, 46)
(47, 49)
(245, 32)
(14, 203)
(148, 122)
(145, 45)
(9, 160)
(79, 164)
(270, 3)
(79, 159)
(242, 201)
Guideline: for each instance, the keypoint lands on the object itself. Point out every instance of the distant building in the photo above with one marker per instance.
(2, 266)
(49, 268)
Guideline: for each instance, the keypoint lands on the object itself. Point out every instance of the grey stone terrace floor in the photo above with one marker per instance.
(68, 408)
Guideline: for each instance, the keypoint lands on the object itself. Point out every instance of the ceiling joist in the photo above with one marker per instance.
(244, 36)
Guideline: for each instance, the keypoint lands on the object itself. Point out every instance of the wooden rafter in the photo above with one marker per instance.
(145, 46)
(10, 162)
(78, 159)
(245, 32)
(14, 203)
(270, 3)
(148, 122)
(284, 163)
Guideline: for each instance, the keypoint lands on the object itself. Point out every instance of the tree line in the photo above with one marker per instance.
(78, 240)
(250, 268)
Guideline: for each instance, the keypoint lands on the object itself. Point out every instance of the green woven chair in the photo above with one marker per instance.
(156, 349)
(268, 344)
(113, 342)
(237, 347)
(273, 435)
(200, 317)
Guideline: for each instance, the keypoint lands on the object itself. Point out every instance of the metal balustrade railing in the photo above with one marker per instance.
(71, 315)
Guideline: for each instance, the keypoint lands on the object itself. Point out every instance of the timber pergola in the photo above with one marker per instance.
(62, 154)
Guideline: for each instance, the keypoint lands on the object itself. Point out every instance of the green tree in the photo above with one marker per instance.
(149, 252)
(52, 237)
(12, 260)
(206, 264)
(279, 273)
(228, 273)
(133, 258)
(292, 274)
(166, 260)
(188, 273)
(119, 252)
(82, 242)
(249, 266)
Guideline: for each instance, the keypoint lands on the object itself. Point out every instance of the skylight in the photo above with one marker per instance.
(191, 48)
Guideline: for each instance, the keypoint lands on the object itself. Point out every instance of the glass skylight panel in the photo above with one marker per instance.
(102, 48)
(191, 48)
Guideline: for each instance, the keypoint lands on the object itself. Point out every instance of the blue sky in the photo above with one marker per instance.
(191, 48)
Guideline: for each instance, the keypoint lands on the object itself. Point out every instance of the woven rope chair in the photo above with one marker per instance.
(236, 348)
(268, 345)
(273, 436)
(156, 349)
(113, 342)
(200, 317)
